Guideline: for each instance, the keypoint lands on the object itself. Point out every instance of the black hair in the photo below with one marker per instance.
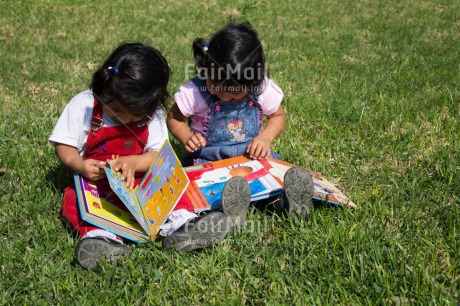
(135, 75)
(233, 57)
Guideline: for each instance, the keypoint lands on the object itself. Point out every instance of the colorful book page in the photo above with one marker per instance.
(328, 192)
(265, 179)
(118, 209)
(323, 189)
(161, 188)
(100, 206)
(126, 195)
(261, 182)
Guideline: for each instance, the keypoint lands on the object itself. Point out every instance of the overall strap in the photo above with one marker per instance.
(201, 84)
(96, 117)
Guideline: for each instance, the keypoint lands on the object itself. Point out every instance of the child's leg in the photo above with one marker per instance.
(71, 213)
(181, 214)
(236, 197)
(90, 251)
(184, 203)
(195, 233)
(95, 244)
(212, 228)
(198, 233)
(298, 192)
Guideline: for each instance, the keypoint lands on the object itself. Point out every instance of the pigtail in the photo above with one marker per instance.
(136, 76)
(199, 52)
(100, 84)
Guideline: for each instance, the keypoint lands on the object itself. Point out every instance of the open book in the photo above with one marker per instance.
(265, 179)
(134, 214)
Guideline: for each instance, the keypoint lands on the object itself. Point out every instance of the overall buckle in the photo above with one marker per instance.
(96, 124)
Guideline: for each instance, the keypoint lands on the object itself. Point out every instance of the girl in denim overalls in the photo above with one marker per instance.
(219, 113)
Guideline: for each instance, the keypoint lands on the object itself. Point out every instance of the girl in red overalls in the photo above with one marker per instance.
(119, 118)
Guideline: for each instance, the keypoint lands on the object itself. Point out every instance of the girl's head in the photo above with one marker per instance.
(132, 81)
(232, 61)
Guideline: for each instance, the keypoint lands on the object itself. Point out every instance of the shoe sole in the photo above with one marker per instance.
(236, 197)
(207, 231)
(298, 191)
(91, 251)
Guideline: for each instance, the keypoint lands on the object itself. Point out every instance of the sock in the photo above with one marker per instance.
(102, 233)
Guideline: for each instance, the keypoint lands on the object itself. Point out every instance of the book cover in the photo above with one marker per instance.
(99, 205)
(265, 178)
(134, 214)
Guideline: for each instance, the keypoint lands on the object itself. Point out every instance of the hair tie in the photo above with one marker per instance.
(206, 45)
(114, 68)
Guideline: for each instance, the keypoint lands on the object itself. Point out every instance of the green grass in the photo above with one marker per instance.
(372, 96)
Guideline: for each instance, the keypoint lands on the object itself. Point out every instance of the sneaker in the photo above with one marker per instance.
(90, 251)
(298, 192)
(236, 197)
(199, 233)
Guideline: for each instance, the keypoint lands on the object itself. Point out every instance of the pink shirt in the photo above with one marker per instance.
(192, 104)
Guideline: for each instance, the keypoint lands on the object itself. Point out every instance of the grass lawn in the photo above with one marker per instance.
(372, 98)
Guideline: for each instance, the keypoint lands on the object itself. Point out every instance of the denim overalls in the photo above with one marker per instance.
(228, 127)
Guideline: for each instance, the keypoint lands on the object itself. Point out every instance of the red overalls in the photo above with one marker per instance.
(108, 143)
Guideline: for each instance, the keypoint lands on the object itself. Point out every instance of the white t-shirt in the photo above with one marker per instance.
(74, 125)
(192, 104)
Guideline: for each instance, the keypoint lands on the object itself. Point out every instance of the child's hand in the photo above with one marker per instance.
(259, 148)
(127, 166)
(93, 169)
(195, 142)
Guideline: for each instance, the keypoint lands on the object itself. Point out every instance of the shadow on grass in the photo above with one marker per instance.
(275, 206)
(58, 177)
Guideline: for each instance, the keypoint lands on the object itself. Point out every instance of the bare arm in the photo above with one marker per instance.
(92, 168)
(181, 131)
(259, 147)
(275, 124)
(89, 168)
